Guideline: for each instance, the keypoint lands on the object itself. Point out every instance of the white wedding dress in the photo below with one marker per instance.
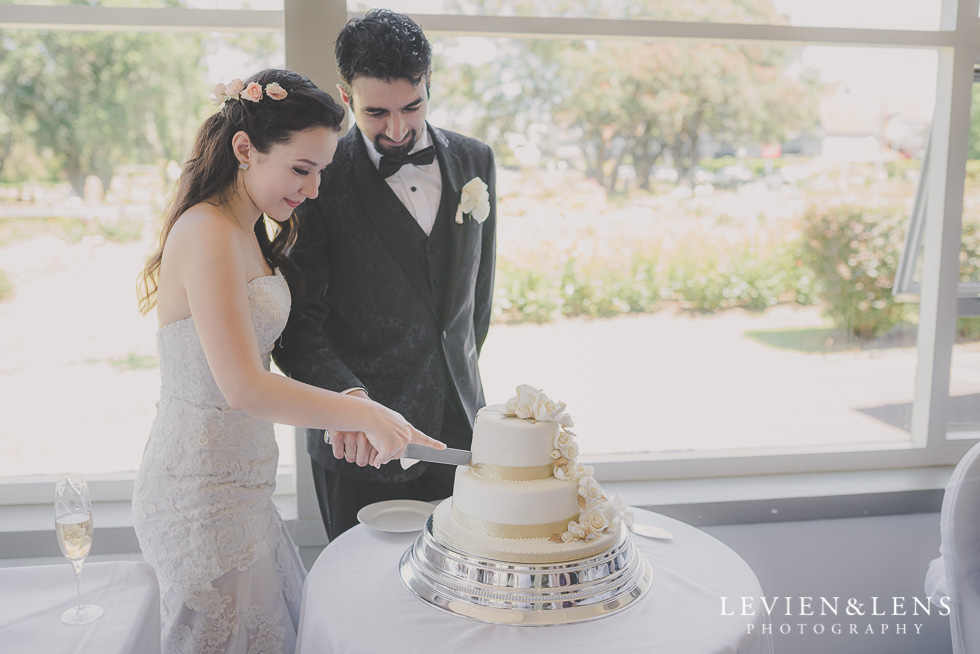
(230, 577)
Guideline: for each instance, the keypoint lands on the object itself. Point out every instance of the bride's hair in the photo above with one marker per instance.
(210, 172)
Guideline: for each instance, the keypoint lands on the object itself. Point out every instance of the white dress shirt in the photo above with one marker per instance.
(418, 187)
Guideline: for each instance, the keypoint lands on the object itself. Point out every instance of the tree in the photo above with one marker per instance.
(631, 102)
(95, 100)
(974, 151)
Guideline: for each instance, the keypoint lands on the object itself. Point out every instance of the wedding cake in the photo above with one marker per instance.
(525, 498)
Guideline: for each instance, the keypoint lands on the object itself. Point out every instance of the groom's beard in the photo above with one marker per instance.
(381, 144)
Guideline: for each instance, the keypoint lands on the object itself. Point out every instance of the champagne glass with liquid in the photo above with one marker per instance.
(73, 527)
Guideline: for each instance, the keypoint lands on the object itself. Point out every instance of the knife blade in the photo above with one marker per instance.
(449, 455)
(416, 452)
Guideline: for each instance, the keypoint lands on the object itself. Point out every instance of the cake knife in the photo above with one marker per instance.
(449, 455)
(416, 452)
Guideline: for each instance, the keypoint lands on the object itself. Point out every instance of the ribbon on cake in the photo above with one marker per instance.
(499, 530)
(512, 473)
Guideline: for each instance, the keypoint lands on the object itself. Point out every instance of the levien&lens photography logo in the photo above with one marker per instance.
(835, 615)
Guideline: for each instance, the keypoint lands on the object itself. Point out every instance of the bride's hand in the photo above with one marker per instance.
(392, 435)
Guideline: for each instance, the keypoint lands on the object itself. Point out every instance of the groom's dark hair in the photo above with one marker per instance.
(384, 45)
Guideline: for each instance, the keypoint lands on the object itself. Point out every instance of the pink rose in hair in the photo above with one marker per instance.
(235, 87)
(219, 93)
(252, 92)
(275, 91)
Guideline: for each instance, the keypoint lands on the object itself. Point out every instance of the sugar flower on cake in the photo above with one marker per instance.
(590, 490)
(532, 404)
(619, 506)
(595, 520)
(575, 531)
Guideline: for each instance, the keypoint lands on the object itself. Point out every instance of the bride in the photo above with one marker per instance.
(230, 577)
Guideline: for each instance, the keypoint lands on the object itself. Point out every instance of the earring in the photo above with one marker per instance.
(243, 166)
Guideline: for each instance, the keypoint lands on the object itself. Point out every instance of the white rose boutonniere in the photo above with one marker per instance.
(474, 200)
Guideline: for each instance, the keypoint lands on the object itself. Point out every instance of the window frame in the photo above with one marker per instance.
(957, 42)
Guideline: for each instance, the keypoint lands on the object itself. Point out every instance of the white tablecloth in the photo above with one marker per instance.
(355, 603)
(33, 598)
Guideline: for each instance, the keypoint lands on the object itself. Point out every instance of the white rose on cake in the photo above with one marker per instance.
(564, 473)
(532, 404)
(569, 450)
(590, 489)
(594, 521)
(575, 531)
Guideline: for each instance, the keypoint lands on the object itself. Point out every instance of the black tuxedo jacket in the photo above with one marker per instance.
(367, 316)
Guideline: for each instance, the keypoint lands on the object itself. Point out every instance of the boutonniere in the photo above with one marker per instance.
(474, 200)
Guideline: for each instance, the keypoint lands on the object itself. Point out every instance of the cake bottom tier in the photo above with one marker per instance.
(513, 550)
(525, 594)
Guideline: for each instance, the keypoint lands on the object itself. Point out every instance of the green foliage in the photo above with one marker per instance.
(135, 361)
(628, 103)
(70, 230)
(902, 168)
(713, 277)
(968, 329)
(86, 102)
(614, 278)
(973, 170)
(974, 144)
(525, 293)
(757, 165)
(6, 286)
(853, 252)
(597, 284)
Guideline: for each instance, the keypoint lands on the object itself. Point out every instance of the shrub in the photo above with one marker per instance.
(716, 276)
(611, 281)
(524, 293)
(853, 252)
(6, 286)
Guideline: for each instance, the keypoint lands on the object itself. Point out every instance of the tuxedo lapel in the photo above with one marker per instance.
(452, 186)
(369, 189)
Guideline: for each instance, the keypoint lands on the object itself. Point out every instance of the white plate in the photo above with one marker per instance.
(651, 531)
(396, 515)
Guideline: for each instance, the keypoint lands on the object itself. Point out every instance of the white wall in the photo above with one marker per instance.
(882, 556)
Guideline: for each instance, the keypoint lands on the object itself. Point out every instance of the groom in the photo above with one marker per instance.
(398, 266)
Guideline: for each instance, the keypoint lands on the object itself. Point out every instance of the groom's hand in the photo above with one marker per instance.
(353, 446)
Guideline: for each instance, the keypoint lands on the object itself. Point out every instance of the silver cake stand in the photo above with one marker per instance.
(527, 595)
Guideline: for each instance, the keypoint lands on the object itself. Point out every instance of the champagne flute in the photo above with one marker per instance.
(73, 527)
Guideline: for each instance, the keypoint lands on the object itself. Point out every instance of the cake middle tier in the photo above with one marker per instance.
(514, 509)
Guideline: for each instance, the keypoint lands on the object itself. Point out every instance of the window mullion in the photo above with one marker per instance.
(942, 232)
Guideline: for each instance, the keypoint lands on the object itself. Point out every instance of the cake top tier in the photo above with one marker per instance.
(503, 440)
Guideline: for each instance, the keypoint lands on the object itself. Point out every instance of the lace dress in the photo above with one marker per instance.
(230, 577)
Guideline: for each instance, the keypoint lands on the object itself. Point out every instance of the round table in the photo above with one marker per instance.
(354, 602)
(33, 598)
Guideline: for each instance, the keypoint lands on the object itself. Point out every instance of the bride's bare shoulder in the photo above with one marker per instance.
(201, 226)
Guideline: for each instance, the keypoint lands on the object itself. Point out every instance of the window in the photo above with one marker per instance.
(92, 127)
(686, 219)
(712, 228)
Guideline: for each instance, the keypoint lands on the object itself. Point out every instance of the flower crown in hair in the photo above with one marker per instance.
(236, 90)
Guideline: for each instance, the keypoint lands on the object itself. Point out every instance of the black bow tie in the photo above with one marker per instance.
(391, 164)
